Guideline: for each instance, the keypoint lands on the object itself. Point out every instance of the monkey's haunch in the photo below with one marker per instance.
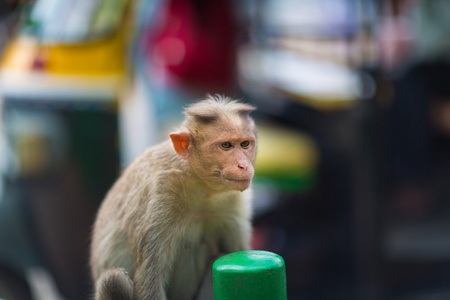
(115, 284)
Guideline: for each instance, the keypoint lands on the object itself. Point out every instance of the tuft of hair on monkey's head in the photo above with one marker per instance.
(216, 108)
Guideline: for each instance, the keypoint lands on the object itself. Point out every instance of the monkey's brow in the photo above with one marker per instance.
(207, 118)
(232, 138)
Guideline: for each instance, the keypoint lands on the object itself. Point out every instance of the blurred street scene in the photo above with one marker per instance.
(353, 167)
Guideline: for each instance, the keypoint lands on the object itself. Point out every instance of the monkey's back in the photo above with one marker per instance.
(122, 209)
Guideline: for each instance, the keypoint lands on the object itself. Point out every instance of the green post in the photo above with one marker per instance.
(250, 275)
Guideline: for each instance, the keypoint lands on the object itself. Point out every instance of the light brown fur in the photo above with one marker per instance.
(172, 212)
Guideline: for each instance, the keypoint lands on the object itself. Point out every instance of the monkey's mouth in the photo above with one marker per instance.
(238, 180)
(237, 184)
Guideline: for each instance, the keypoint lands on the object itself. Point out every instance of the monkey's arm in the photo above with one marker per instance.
(156, 251)
(236, 237)
(237, 230)
(150, 278)
(205, 291)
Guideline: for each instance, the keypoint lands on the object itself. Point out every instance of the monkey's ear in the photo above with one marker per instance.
(181, 141)
(244, 110)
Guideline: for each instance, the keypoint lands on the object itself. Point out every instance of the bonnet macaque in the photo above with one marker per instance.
(177, 207)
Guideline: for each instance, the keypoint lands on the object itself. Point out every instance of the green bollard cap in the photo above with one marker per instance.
(250, 275)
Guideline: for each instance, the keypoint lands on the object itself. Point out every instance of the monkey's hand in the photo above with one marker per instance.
(235, 236)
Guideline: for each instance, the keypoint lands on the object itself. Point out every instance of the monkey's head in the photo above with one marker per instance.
(218, 140)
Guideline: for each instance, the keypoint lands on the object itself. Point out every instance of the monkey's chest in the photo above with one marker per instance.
(196, 247)
(199, 244)
(194, 253)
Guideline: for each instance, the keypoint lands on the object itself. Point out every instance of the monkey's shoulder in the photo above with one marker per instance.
(161, 154)
(156, 161)
(145, 175)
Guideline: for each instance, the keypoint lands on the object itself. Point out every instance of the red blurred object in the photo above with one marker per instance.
(195, 42)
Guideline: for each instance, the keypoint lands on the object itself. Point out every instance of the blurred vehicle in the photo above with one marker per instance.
(60, 80)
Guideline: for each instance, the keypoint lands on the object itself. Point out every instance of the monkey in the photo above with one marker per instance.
(177, 207)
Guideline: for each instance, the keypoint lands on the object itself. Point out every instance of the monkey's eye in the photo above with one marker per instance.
(245, 144)
(226, 145)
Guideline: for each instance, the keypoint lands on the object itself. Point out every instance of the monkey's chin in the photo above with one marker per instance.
(237, 184)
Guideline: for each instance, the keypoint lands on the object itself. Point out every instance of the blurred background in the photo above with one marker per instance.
(353, 98)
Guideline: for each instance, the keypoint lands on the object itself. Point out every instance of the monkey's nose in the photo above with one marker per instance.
(243, 165)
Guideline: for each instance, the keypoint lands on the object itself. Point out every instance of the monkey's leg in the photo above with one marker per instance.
(114, 284)
(150, 280)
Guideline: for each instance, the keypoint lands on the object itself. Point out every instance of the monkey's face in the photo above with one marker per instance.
(226, 162)
(219, 143)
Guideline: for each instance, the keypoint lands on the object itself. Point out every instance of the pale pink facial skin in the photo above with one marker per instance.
(225, 162)
(235, 160)
(224, 159)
